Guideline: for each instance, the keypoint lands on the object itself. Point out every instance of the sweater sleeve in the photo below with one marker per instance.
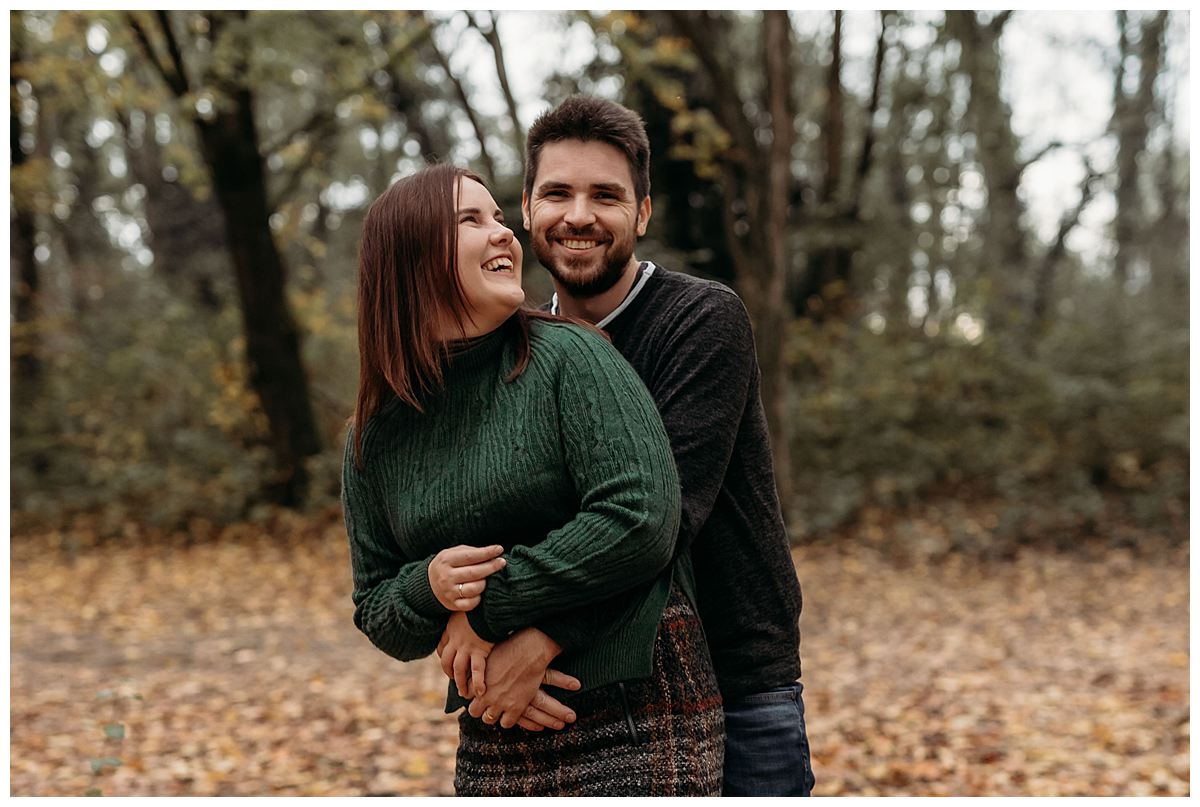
(701, 394)
(393, 603)
(620, 462)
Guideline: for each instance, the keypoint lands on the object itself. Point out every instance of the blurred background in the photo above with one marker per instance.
(963, 238)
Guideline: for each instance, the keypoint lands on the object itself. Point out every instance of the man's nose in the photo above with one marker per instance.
(579, 213)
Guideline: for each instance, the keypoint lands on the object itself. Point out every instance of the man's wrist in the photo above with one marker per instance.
(547, 648)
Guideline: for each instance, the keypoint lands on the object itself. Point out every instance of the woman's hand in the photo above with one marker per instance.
(464, 656)
(457, 575)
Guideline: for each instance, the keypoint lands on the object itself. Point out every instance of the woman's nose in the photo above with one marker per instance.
(502, 234)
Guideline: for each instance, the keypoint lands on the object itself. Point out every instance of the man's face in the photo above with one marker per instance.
(582, 215)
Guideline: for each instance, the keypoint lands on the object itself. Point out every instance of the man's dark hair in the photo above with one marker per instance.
(582, 117)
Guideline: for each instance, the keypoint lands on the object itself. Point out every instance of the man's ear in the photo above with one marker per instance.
(643, 217)
(525, 210)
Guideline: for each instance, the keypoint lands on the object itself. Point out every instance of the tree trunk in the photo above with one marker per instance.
(27, 366)
(777, 49)
(1006, 270)
(823, 287)
(230, 146)
(1132, 126)
(755, 222)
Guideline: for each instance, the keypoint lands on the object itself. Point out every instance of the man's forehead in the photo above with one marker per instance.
(582, 163)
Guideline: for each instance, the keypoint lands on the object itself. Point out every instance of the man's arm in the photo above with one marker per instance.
(708, 371)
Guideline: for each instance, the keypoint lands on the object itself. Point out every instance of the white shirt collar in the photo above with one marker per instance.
(646, 272)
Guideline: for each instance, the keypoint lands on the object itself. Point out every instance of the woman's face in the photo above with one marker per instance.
(489, 260)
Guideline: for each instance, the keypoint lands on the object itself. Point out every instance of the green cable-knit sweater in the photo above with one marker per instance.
(568, 467)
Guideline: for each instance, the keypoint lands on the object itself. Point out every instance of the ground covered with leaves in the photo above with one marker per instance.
(226, 663)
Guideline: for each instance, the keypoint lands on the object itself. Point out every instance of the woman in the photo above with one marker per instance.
(482, 428)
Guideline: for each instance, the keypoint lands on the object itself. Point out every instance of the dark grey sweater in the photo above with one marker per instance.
(691, 343)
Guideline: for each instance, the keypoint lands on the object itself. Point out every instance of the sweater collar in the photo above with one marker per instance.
(467, 355)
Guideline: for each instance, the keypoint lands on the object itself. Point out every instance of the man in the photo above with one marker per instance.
(585, 203)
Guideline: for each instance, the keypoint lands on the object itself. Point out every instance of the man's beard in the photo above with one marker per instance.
(576, 275)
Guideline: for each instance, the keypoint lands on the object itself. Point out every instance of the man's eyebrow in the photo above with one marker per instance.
(611, 187)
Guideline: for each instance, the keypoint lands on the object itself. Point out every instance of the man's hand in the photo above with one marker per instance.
(464, 656)
(457, 575)
(516, 670)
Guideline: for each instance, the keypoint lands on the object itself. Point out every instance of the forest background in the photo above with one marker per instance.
(972, 325)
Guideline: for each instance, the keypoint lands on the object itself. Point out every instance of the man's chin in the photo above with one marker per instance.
(585, 282)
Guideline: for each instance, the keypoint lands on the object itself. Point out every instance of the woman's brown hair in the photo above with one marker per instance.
(408, 288)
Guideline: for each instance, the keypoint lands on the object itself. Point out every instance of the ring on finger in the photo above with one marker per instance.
(460, 593)
(488, 717)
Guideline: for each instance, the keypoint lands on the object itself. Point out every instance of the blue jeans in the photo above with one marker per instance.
(766, 745)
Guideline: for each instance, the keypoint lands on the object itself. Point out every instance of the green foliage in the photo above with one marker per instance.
(144, 410)
(1091, 428)
(146, 413)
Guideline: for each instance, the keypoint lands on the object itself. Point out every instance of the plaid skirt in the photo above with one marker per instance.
(676, 746)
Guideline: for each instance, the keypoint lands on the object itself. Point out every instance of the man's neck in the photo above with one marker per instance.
(594, 309)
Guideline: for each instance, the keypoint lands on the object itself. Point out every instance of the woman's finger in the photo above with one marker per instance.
(542, 718)
(509, 719)
(463, 555)
(478, 669)
(462, 668)
(472, 588)
(526, 723)
(465, 604)
(447, 662)
(477, 571)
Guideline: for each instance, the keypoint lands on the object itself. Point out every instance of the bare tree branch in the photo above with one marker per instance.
(864, 159)
(1053, 145)
(492, 35)
(832, 129)
(706, 42)
(173, 50)
(318, 121)
(1049, 263)
(321, 126)
(464, 100)
(177, 82)
(999, 21)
